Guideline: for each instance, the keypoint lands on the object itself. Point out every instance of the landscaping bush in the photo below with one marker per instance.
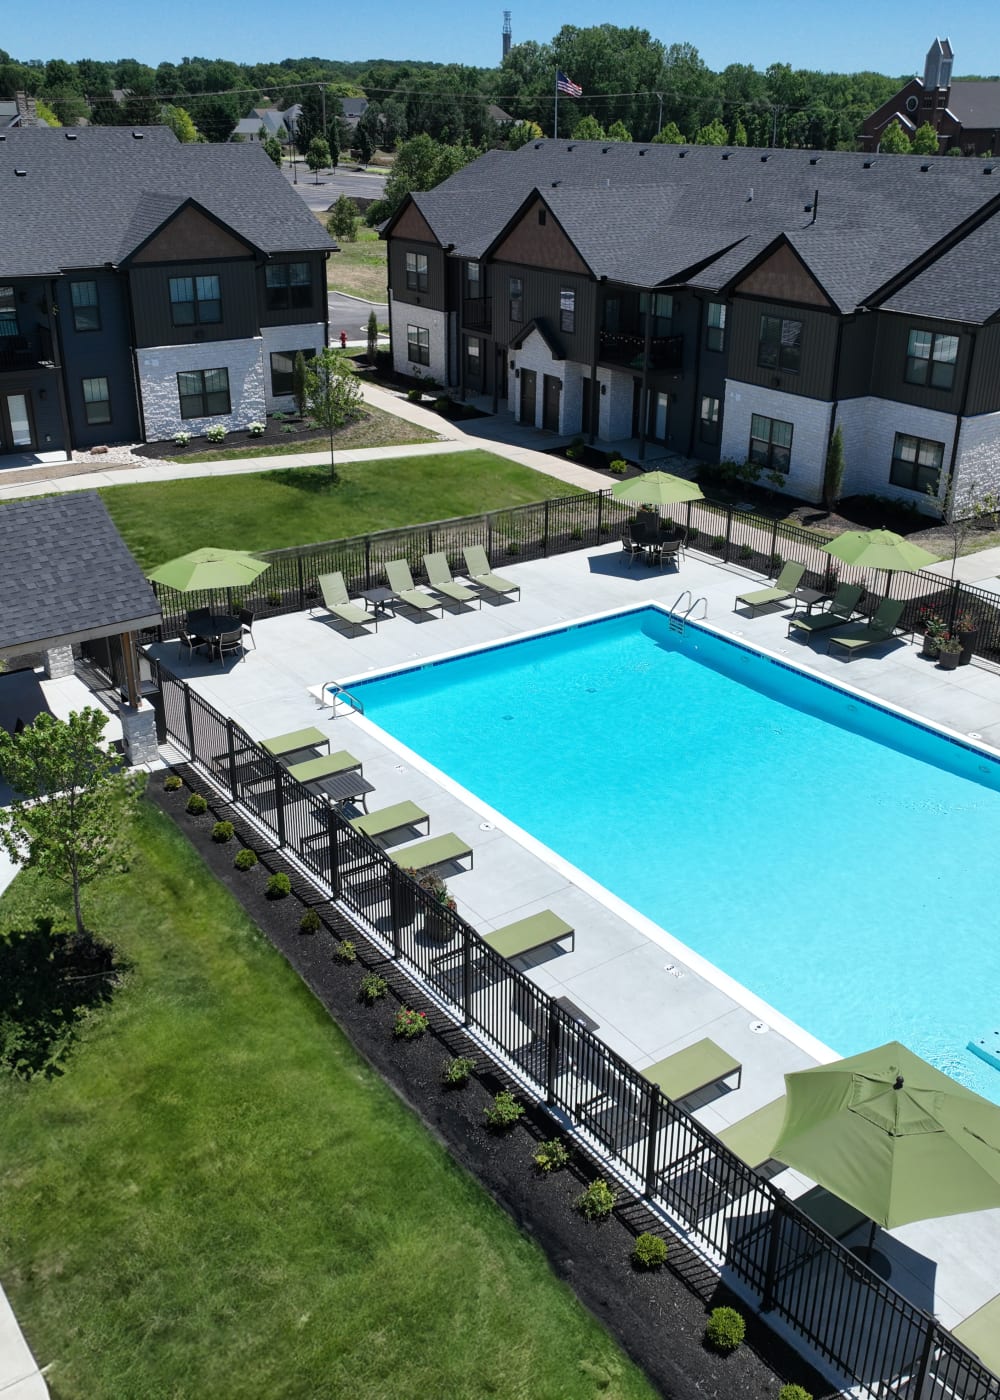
(575, 449)
(310, 922)
(551, 1156)
(693, 533)
(182, 439)
(245, 859)
(794, 1392)
(196, 805)
(745, 551)
(597, 1202)
(456, 1072)
(513, 546)
(576, 533)
(717, 542)
(345, 951)
(216, 433)
(649, 1251)
(409, 1024)
(222, 832)
(173, 782)
(278, 886)
(256, 429)
(414, 395)
(503, 1113)
(618, 467)
(372, 988)
(725, 1329)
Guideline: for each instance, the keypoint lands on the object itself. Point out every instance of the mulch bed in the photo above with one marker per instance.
(276, 434)
(658, 1318)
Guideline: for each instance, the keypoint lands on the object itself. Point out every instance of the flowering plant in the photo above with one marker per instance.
(216, 433)
(933, 624)
(950, 642)
(256, 429)
(965, 622)
(182, 439)
(409, 1024)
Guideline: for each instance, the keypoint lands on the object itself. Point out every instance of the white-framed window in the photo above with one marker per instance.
(916, 464)
(416, 272)
(203, 393)
(195, 301)
(418, 345)
(930, 359)
(567, 309)
(770, 442)
(96, 400)
(86, 309)
(715, 333)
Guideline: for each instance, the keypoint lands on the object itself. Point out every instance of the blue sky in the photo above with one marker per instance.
(890, 36)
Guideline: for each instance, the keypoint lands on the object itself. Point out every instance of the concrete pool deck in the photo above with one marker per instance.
(648, 995)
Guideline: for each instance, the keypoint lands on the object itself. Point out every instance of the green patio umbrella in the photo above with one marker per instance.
(206, 570)
(893, 1136)
(657, 489)
(879, 549)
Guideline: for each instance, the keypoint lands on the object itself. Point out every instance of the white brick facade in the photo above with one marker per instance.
(977, 468)
(615, 419)
(401, 315)
(870, 426)
(289, 339)
(159, 366)
(534, 354)
(810, 420)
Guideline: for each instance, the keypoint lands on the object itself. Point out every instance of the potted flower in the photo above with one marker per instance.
(437, 925)
(968, 631)
(949, 650)
(934, 629)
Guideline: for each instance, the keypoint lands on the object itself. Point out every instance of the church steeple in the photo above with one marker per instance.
(937, 68)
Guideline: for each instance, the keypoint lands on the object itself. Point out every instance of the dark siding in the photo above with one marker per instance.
(819, 342)
(541, 303)
(435, 293)
(105, 352)
(984, 386)
(151, 303)
(857, 351)
(712, 369)
(889, 364)
(46, 422)
(298, 315)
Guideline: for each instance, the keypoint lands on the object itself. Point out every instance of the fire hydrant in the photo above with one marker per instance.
(343, 340)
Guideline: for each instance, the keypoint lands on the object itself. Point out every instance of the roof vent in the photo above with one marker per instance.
(726, 155)
(868, 164)
(538, 145)
(643, 151)
(814, 160)
(924, 169)
(571, 148)
(764, 159)
(556, 184)
(20, 172)
(137, 136)
(987, 170)
(70, 135)
(750, 195)
(605, 150)
(681, 154)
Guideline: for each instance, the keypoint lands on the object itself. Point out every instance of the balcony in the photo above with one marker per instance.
(15, 353)
(477, 313)
(621, 348)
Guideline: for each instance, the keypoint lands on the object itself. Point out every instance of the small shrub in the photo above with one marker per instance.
(197, 805)
(372, 988)
(409, 1024)
(605, 528)
(277, 417)
(745, 551)
(575, 449)
(278, 886)
(274, 599)
(345, 951)
(777, 562)
(309, 923)
(717, 542)
(725, 1329)
(693, 533)
(216, 433)
(173, 782)
(245, 859)
(618, 467)
(794, 1392)
(576, 533)
(222, 832)
(182, 439)
(256, 429)
(597, 1202)
(443, 405)
(414, 395)
(649, 1251)
(287, 428)
(456, 1072)
(503, 1112)
(513, 547)
(551, 1156)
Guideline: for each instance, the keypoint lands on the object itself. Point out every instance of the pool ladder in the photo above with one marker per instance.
(677, 618)
(338, 692)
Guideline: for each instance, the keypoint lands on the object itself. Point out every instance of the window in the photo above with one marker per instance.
(86, 311)
(418, 345)
(780, 344)
(473, 360)
(715, 335)
(567, 309)
(541, 216)
(203, 392)
(930, 359)
(770, 442)
(612, 314)
(516, 299)
(195, 301)
(289, 285)
(283, 369)
(472, 282)
(8, 312)
(709, 424)
(416, 272)
(663, 311)
(96, 400)
(916, 463)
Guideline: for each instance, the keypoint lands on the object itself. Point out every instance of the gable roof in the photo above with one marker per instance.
(67, 575)
(961, 285)
(975, 104)
(89, 193)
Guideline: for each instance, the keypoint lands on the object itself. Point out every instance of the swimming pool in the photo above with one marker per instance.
(834, 858)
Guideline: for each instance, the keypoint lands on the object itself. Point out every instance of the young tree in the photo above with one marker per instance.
(333, 394)
(299, 382)
(588, 128)
(372, 336)
(925, 141)
(618, 131)
(180, 123)
(713, 134)
(343, 221)
(272, 147)
(70, 815)
(317, 155)
(521, 133)
(895, 141)
(739, 134)
(833, 472)
(670, 135)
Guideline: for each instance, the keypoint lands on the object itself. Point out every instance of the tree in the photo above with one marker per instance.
(69, 818)
(343, 221)
(180, 123)
(272, 148)
(739, 134)
(333, 394)
(833, 472)
(712, 134)
(372, 336)
(588, 129)
(420, 165)
(317, 155)
(521, 133)
(670, 135)
(364, 144)
(618, 131)
(299, 382)
(925, 141)
(895, 141)
(45, 113)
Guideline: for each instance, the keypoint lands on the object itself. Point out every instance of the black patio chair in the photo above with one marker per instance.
(246, 624)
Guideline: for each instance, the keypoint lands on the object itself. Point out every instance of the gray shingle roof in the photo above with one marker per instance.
(975, 104)
(961, 285)
(650, 214)
(67, 573)
(79, 197)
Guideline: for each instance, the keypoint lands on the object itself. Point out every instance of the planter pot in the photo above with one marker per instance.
(968, 640)
(930, 647)
(948, 660)
(438, 925)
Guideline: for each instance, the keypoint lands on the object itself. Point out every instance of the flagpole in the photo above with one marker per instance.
(555, 123)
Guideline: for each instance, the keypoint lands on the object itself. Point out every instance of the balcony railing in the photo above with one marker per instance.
(477, 313)
(622, 348)
(15, 353)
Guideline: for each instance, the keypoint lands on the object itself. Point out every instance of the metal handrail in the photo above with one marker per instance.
(701, 599)
(339, 692)
(678, 600)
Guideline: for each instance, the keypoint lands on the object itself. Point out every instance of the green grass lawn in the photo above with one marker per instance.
(219, 1198)
(298, 505)
(359, 268)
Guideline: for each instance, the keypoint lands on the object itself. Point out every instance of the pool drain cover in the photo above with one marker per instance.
(759, 1027)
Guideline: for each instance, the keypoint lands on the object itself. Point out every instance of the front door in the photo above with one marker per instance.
(15, 423)
(659, 408)
(550, 407)
(528, 397)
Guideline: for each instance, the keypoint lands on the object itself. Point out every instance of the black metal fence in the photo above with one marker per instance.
(567, 523)
(865, 1329)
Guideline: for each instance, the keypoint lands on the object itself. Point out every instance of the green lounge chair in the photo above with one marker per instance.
(479, 572)
(880, 627)
(388, 819)
(753, 1137)
(298, 741)
(336, 601)
(397, 571)
(980, 1332)
(696, 1067)
(328, 765)
(435, 851)
(440, 579)
(783, 589)
(841, 609)
(528, 935)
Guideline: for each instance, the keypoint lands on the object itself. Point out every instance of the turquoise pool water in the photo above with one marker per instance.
(834, 858)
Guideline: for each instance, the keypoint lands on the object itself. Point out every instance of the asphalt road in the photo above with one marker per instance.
(332, 186)
(350, 315)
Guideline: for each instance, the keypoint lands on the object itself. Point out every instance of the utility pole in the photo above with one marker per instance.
(659, 119)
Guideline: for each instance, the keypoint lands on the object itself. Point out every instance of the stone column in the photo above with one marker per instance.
(59, 662)
(139, 733)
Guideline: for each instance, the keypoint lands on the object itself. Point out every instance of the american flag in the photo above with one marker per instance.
(567, 85)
